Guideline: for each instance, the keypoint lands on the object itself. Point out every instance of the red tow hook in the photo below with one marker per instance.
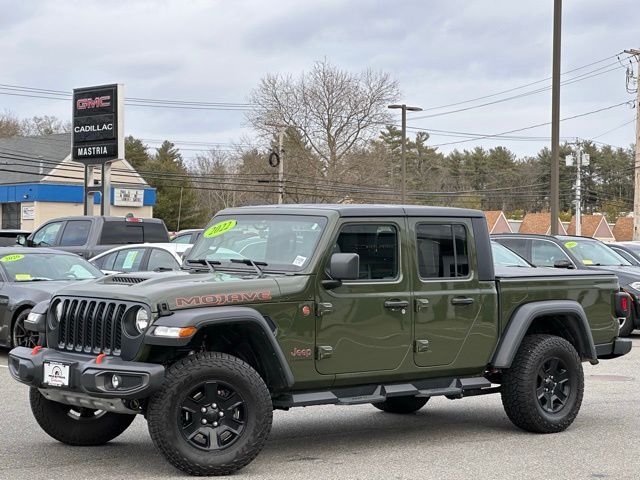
(36, 349)
(99, 358)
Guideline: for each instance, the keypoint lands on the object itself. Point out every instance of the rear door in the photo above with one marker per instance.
(447, 295)
(75, 236)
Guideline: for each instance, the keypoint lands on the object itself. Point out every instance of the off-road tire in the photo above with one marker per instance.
(401, 404)
(20, 337)
(628, 326)
(520, 382)
(63, 423)
(165, 408)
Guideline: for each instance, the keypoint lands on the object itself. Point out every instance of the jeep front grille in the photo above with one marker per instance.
(91, 326)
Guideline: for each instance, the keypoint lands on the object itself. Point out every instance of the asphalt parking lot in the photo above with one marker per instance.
(469, 438)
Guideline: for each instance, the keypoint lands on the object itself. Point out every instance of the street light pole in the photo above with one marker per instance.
(403, 158)
(554, 197)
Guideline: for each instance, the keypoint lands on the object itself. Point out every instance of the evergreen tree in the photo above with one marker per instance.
(136, 153)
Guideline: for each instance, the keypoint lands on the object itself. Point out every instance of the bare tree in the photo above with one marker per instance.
(9, 124)
(335, 111)
(44, 125)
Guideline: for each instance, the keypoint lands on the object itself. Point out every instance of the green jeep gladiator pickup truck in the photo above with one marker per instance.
(299, 305)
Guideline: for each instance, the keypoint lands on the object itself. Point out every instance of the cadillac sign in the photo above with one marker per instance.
(98, 124)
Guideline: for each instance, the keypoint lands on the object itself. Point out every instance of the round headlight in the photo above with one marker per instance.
(142, 320)
(58, 311)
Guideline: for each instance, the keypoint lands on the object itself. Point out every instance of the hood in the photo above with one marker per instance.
(49, 287)
(626, 273)
(181, 290)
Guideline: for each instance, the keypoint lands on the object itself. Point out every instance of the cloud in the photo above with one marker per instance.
(440, 51)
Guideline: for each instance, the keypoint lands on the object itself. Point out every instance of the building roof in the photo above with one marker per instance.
(623, 229)
(497, 222)
(594, 226)
(539, 223)
(30, 159)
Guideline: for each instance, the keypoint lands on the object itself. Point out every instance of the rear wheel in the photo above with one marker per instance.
(77, 425)
(542, 391)
(401, 404)
(212, 415)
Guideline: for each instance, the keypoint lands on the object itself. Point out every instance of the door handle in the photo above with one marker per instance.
(395, 304)
(421, 303)
(461, 301)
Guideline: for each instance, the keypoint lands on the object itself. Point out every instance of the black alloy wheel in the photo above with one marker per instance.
(21, 337)
(212, 416)
(553, 385)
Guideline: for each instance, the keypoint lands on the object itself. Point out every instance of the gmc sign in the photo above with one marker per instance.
(98, 133)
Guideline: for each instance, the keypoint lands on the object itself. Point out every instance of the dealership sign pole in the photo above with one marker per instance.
(98, 138)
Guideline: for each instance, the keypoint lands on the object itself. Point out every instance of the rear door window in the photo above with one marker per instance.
(442, 251)
(128, 260)
(75, 233)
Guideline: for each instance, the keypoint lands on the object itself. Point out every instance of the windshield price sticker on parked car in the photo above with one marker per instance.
(12, 258)
(220, 228)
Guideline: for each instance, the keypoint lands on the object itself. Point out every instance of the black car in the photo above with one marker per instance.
(89, 236)
(29, 276)
(630, 251)
(581, 253)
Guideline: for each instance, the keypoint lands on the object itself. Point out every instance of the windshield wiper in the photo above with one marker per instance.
(251, 263)
(203, 261)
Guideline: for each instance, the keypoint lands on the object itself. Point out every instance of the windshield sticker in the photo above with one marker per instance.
(224, 298)
(12, 258)
(129, 259)
(571, 244)
(299, 261)
(220, 228)
(23, 277)
(587, 262)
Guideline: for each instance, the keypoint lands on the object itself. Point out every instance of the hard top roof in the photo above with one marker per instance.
(356, 210)
(18, 249)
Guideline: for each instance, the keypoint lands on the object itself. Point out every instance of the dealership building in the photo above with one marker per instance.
(39, 181)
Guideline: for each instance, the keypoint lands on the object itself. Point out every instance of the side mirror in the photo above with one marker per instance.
(21, 240)
(342, 266)
(562, 264)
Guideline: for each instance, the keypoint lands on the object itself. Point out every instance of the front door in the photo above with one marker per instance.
(447, 298)
(365, 325)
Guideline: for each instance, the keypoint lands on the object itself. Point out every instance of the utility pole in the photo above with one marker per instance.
(554, 199)
(403, 159)
(281, 165)
(636, 190)
(581, 160)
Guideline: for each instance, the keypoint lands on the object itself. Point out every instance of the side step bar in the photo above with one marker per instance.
(451, 388)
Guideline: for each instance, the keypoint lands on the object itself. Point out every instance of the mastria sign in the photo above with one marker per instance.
(98, 118)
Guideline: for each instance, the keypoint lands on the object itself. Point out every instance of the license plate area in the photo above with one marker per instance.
(55, 374)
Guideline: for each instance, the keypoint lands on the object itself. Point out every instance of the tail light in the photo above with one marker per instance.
(623, 304)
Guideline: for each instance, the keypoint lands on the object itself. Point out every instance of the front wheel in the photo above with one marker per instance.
(212, 416)
(20, 336)
(542, 391)
(78, 426)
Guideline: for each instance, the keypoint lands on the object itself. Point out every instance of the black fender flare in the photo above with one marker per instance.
(269, 349)
(523, 317)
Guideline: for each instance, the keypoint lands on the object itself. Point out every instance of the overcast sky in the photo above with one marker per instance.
(441, 52)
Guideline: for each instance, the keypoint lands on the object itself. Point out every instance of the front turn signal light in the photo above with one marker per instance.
(174, 332)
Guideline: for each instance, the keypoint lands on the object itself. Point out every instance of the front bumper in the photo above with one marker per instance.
(617, 348)
(137, 380)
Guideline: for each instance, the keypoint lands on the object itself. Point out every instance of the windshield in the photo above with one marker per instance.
(30, 267)
(503, 257)
(282, 242)
(592, 252)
